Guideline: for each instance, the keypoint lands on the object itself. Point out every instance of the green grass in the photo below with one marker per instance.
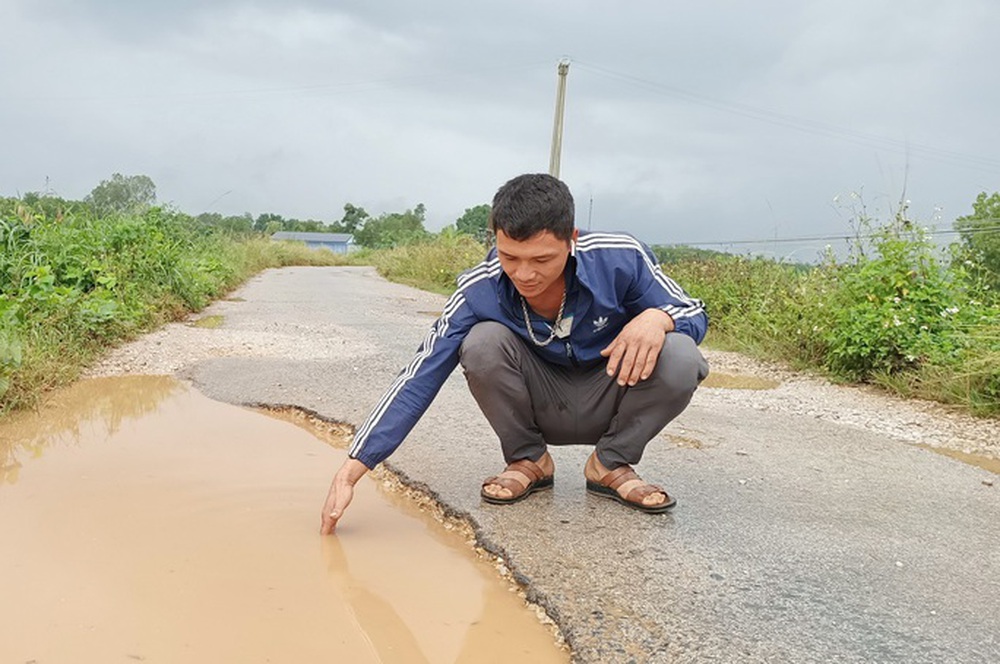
(433, 265)
(73, 284)
(900, 315)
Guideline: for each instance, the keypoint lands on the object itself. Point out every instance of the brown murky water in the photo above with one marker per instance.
(141, 521)
(978, 460)
(738, 382)
(208, 322)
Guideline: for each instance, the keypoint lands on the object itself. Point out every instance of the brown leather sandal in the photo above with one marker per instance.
(625, 486)
(521, 478)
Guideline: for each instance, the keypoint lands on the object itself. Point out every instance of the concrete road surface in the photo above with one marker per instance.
(794, 539)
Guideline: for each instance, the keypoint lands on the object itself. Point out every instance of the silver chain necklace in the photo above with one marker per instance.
(555, 325)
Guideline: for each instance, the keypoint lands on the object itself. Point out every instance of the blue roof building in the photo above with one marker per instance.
(338, 243)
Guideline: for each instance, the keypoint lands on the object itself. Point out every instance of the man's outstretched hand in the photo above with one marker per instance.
(633, 353)
(341, 493)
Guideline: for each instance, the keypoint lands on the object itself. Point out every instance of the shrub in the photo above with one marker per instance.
(890, 312)
(434, 264)
(899, 312)
(72, 283)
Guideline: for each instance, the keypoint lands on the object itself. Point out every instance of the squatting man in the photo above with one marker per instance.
(566, 337)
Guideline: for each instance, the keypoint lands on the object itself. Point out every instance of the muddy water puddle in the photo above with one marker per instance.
(141, 521)
(977, 460)
(208, 322)
(738, 382)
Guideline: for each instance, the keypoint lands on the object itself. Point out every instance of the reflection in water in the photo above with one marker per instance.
(107, 402)
(435, 607)
(393, 640)
(470, 609)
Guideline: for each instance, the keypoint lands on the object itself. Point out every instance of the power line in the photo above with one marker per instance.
(829, 238)
(802, 124)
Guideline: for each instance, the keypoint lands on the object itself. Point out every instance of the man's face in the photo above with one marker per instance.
(536, 264)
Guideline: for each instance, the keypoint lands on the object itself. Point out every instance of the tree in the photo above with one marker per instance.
(266, 220)
(123, 194)
(306, 226)
(238, 225)
(393, 229)
(354, 218)
(475, 222)
(980, 233)
(209, 219)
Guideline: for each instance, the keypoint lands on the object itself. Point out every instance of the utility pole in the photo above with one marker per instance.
(557, 129)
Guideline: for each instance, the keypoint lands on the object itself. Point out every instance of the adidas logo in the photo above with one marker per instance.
(600, 323)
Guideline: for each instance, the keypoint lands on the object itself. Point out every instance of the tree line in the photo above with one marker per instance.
(135, 194)
(127, 194)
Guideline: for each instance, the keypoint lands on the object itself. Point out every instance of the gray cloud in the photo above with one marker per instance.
(684, 122)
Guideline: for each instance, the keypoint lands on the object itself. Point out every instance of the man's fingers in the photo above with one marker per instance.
(329, 518)
(644, 364)
(650, 364)
(628, 365)
(616, 350)
(335, 506)
(633, 354)
(329, 523)
(331, 512)
(641, 362)
(653, 357)
(638, 365)
(340, 494)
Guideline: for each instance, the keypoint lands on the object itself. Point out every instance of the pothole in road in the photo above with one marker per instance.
(977, 460)
(210, 322)
(738, 382)
(142, 520)
(686, 442)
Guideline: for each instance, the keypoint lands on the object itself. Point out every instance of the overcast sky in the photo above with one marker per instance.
(685, 122)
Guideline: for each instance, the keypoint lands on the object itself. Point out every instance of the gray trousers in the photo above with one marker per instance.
(531, 403)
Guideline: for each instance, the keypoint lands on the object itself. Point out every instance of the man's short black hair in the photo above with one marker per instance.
(530, 204)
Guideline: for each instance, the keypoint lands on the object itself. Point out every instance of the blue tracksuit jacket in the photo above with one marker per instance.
(612, 277)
